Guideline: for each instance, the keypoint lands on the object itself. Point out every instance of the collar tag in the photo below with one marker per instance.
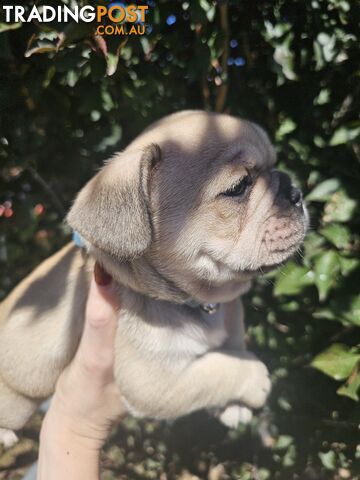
(210, 308)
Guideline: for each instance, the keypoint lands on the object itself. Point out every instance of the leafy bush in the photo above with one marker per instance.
(69, 99)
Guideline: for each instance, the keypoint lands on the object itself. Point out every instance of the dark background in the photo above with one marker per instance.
(68, 100)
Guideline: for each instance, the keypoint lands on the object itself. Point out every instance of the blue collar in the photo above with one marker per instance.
(78, 240)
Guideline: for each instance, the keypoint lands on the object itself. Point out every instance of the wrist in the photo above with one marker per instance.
(59, 427)
(65, 452)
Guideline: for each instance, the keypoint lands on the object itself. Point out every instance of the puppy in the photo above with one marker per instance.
(183, 219)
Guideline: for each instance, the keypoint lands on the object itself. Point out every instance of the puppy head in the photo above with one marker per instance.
(205, 207)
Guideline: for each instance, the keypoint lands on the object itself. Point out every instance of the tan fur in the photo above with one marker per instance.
(157, 219)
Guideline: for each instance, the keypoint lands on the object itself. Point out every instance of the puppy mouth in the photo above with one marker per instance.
(277, 255)
(262, 270)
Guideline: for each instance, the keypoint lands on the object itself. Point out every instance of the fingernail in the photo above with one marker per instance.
(102, 278)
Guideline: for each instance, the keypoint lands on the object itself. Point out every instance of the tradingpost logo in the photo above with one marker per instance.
(115, 18)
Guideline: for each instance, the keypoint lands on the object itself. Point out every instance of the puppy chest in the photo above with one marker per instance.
(196, 337)
(172, 336)
(214, 328)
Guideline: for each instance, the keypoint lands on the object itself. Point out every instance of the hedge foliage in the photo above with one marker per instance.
(69, 99)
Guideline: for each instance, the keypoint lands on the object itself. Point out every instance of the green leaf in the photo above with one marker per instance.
(337, 361)
(351, 386)
(209, 9)
(326, 269)
(338, 235)
(344, 135)
(112, 139)
(327, 45)
(353, 314)
(322, 191)
(314, 244)
(292, 279)
(340, 208)
(284, 57)
(4, 27)
(41, 48)
(328, 459)
(327, 313)
(286, 126)
(323, 97)
(348, 265)
(112, 63)
(283, 441)
(343, 309)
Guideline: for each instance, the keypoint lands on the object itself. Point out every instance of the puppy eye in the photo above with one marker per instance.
(239, 189)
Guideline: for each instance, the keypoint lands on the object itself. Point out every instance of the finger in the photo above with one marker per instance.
(102, 277)
(102, 299)
(97, 343)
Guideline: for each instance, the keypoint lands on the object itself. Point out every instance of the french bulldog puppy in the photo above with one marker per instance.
(183, 219)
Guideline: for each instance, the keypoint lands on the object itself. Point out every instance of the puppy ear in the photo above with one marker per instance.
(112, 211)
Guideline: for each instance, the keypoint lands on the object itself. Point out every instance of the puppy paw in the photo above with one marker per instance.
(233, 415)
(257, 386)
(8, 438)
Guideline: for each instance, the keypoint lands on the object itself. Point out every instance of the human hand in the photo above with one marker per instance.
(86, 401)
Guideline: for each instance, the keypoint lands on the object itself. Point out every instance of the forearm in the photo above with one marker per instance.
(63, 454)
(86, 401)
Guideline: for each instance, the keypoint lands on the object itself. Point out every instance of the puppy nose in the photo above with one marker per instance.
(288, 190)
(295, 196)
